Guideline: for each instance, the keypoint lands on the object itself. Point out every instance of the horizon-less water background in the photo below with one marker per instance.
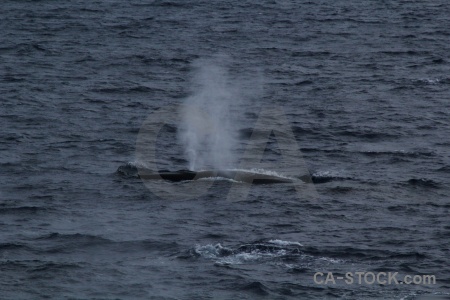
(364, 84)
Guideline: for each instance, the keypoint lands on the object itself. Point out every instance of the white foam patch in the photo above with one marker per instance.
(225, 256)
(261, 171)
(327, 174)
(237, 259)
(285, 243)
(430, 80)
(137, 164)
(209, 251)
(253, 256)
(218, 178)
(331, 260)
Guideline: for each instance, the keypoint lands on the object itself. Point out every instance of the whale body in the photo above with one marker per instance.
(130, 170)
(242, 176)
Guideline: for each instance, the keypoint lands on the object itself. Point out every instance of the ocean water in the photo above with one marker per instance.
(364, 86)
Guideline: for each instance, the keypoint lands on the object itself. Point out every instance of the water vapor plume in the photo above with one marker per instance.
(207, 129)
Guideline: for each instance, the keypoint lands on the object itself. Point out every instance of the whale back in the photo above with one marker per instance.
(242, 176)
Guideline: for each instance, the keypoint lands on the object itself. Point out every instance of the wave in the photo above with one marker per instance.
(352, 253)
(445, 169)
(129, 170)
(327, 176)
(260, 251)
(401, 153)
(393, 153)
(254, 287)
(54, 267)
(23, 210)
(366, 134)
(291, 255)
(67, 243)
(423, 182)
(76, 238)
(432, 81)
(125, 90)
(285, 243)
(13, 246)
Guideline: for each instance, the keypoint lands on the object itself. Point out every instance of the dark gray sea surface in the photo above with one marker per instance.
(364, 85)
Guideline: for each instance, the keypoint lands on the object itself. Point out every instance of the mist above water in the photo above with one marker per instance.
(207, 129)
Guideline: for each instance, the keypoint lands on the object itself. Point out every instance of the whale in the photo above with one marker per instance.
(237, 175)
(130, 170)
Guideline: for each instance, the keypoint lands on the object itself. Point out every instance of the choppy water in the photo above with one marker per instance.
(365, 86)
